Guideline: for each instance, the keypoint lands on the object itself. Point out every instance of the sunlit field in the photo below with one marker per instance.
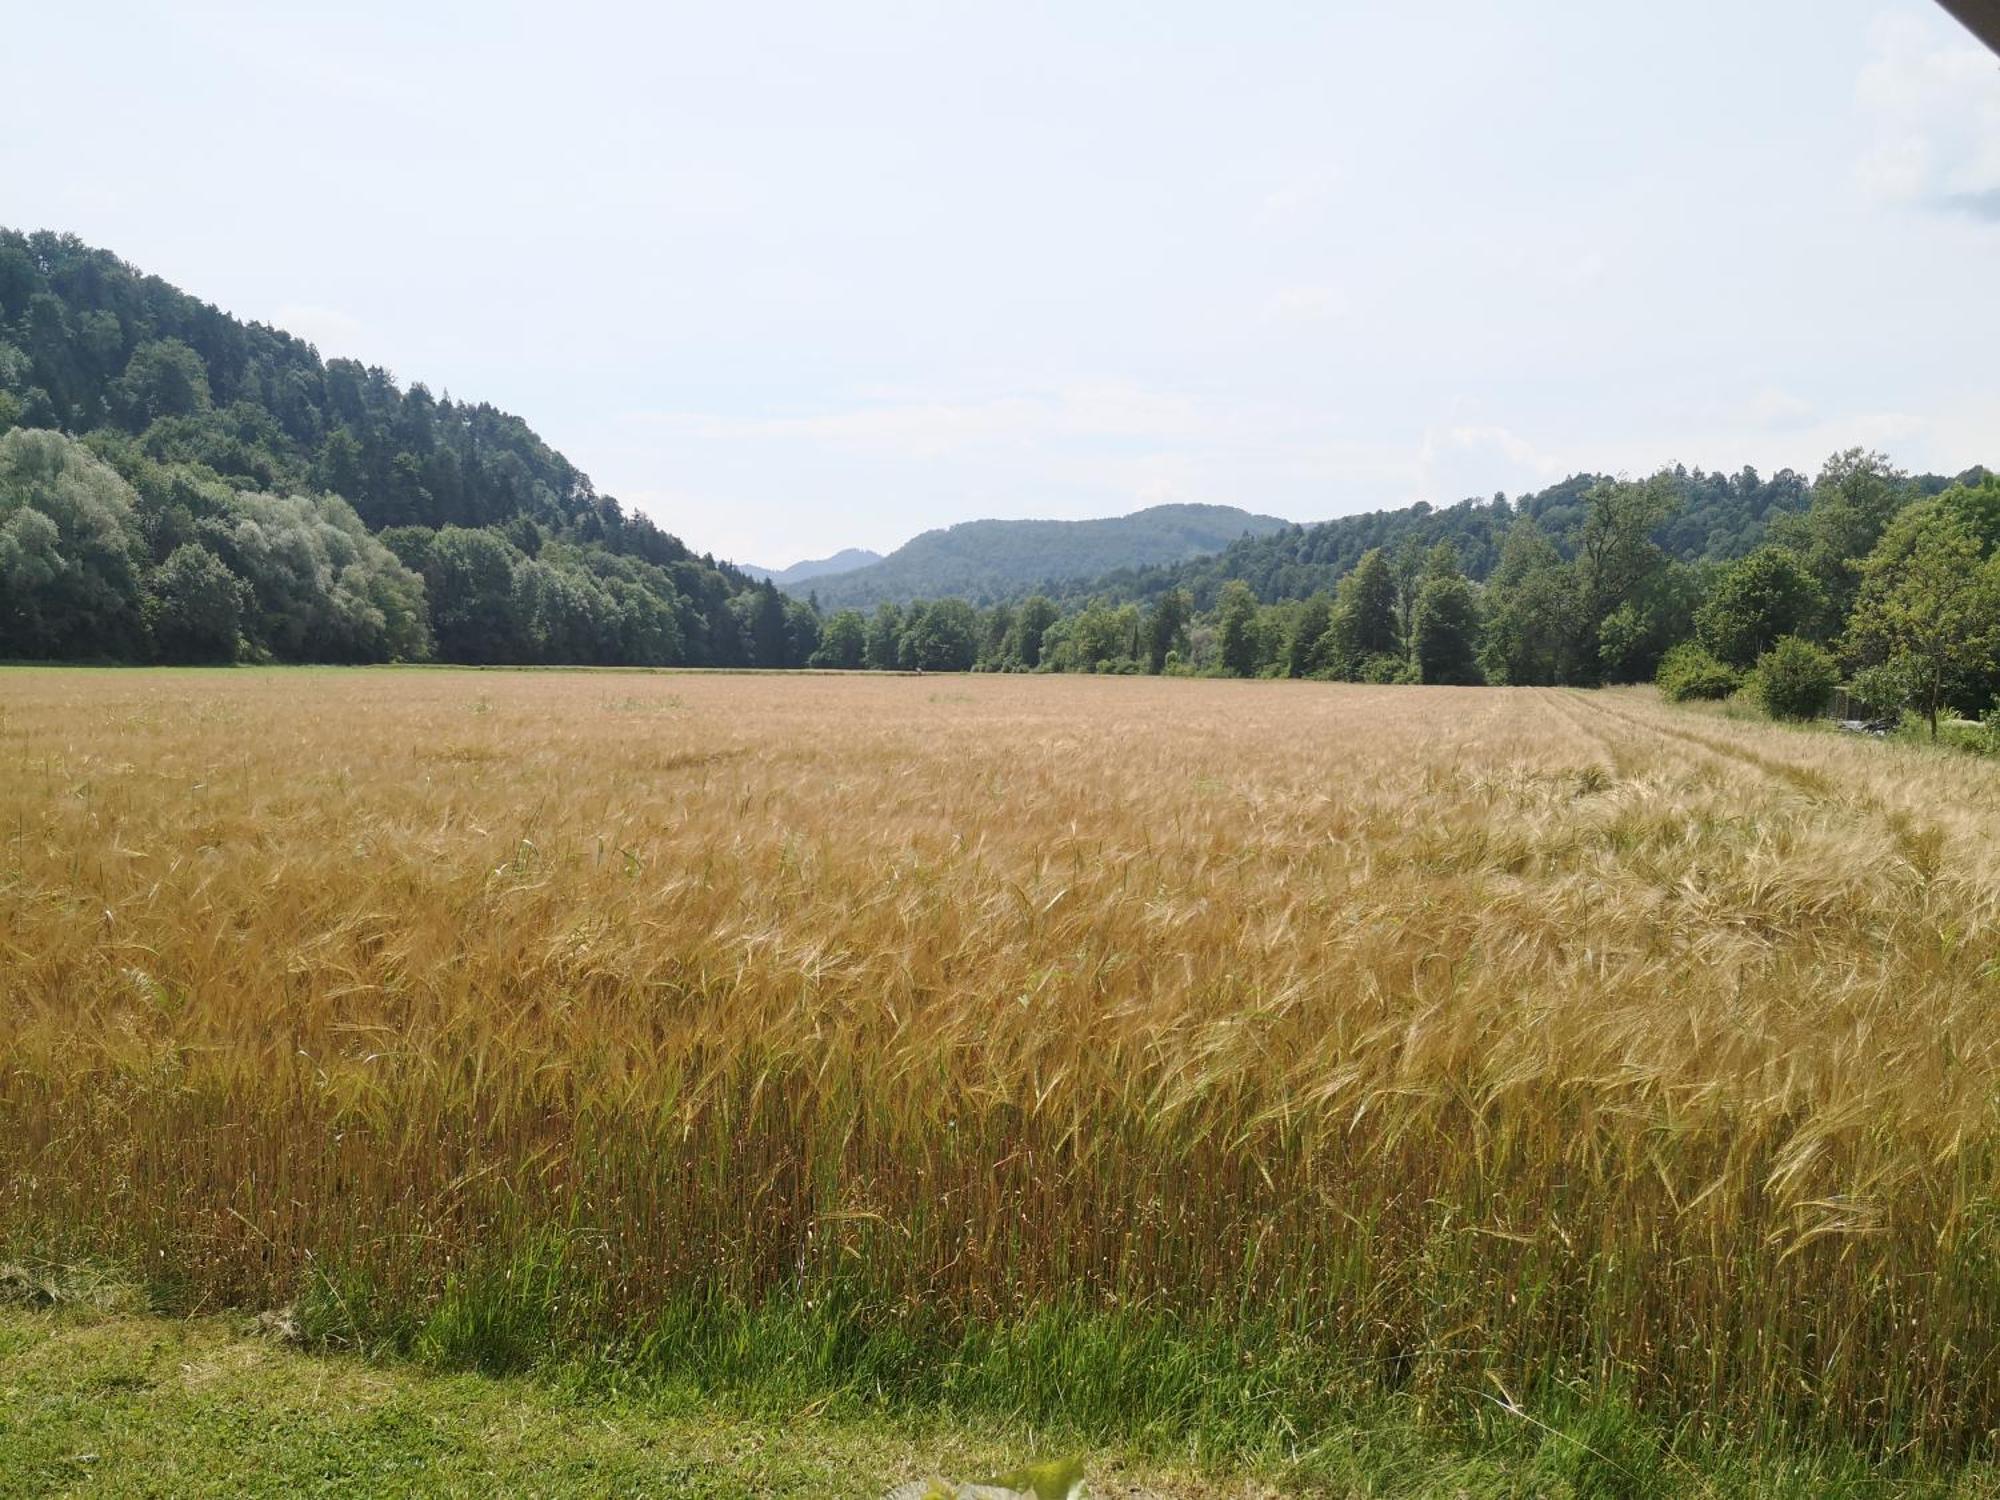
(1200, 1045)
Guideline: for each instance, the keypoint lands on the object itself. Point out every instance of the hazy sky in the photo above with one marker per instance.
(796, 277)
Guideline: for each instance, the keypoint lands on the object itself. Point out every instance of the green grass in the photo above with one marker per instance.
(100, 1397)
(117, 1403)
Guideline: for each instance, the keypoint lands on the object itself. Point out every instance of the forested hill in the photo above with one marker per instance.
(1720, 516)
(843, 561)
(520, 558)
(985, 560)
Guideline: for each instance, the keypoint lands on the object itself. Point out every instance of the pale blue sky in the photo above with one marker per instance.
(797, 277)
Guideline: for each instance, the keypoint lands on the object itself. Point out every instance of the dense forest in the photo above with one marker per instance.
(986, 561)
(1867, 575)
(180, 485)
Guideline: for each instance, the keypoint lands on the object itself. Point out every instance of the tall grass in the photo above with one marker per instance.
(1480, 1046)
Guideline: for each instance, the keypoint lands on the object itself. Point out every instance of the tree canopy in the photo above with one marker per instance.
(238, 439)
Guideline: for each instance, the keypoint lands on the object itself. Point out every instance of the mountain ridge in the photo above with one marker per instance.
(993, 558)
(846, 560)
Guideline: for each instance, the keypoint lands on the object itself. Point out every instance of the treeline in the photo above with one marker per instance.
(1878, 579)
(216, 429)
(176, 485)
(1887, 582)
(167, 562)
(1412, 616)
(1881, 586)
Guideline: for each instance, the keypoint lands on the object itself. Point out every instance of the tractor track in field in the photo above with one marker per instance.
(1814, 785)
(1907, 832)
(1555, 699)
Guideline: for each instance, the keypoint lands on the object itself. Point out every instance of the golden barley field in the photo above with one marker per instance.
(1486, 1041)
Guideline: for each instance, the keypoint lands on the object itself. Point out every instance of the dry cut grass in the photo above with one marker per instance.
(1489, 1043)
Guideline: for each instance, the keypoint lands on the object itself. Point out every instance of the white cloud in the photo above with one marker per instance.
(1106, 410)
(1896, 167)
(1306, 304)
(1589, 268)
(332, 332)
(1774, 430)
(91, 198)
(1297, 197)
(690, 191)
(1162, 478)
(1772, 408)
(1933, 111)
(1478, 458)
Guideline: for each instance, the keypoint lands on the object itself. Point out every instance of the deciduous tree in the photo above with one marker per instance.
(1928, 605)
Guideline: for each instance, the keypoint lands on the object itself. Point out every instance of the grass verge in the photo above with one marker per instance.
(100, 1396)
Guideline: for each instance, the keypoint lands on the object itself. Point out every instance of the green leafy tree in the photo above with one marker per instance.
(647, 631)
(1407, 563)
(1444, 623)
(70, 548)
(1978, 505)
(1306, 641)
(1795, 679)
(559, 615)
(996, 638)
(1056, 653)
(470, 581)
(1237, 640)
(1529, 610)
(802, 629)
(1928, 606)
(578, 605)
(766, 626)
(325, 588)
(1166, 628)
(1854, 499)
(1756, 601)
(1637, 634)
(843, 644)
(410, 544)
(1031, 624)
(1364, 615)
(1883, 690)
(164, 378)
(338, 468)
(941, 636)
(16, 369)
(885, 638)
(1688, 672)
(1616, 559)
(48, 337)
(195, 607)
(1099, 635)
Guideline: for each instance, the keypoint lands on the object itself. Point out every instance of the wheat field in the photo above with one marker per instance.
(1481, 1043)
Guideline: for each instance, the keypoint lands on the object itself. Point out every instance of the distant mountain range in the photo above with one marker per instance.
(986, 560)
(844, 561)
